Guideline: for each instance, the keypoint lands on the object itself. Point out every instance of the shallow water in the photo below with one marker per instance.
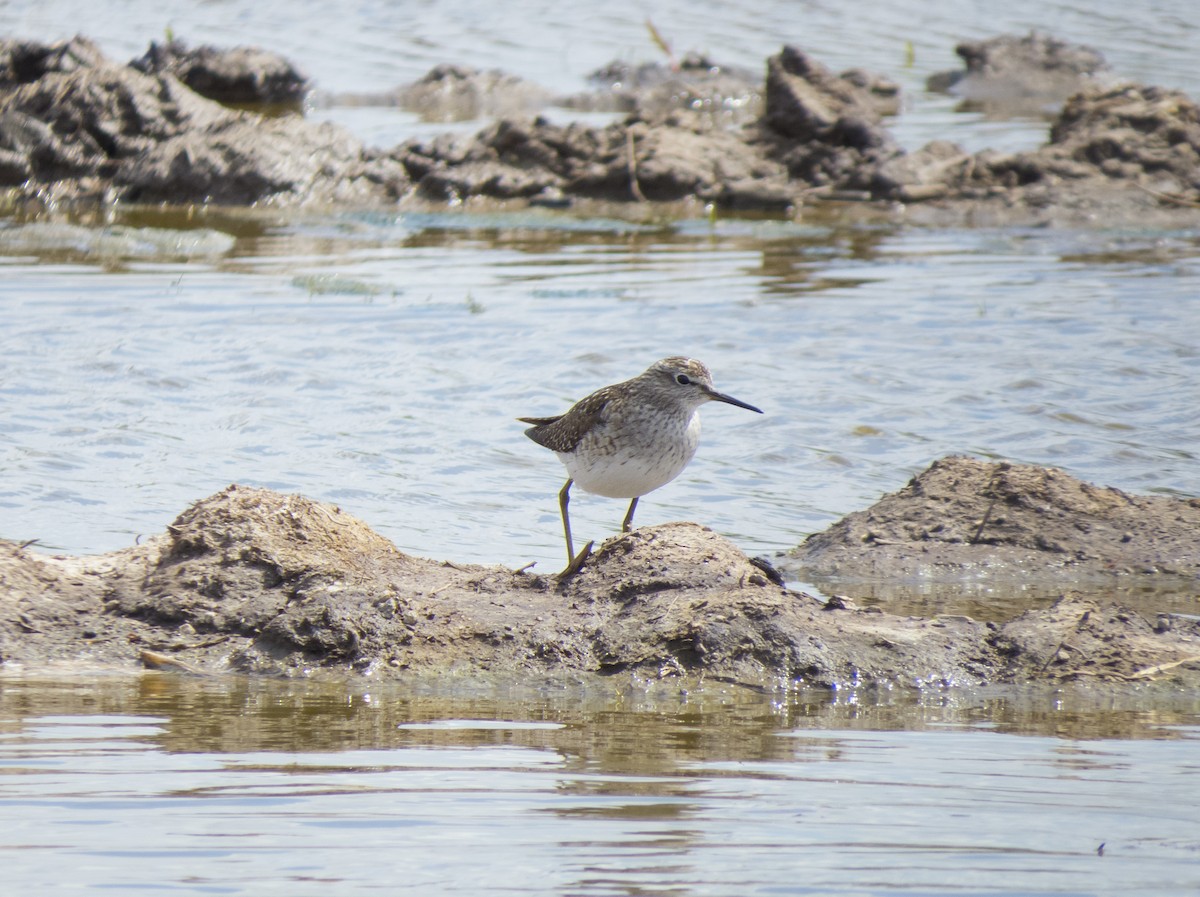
(160, 785)
(378, 360)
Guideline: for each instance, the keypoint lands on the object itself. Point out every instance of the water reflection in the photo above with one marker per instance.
(461, 787)
(607, 727)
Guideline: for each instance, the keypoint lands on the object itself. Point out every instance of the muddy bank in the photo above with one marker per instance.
(180, 126)
(77, 127)
(963, 517)
(253, 581)
(822, 138)
(1017, 75)
(805, 135)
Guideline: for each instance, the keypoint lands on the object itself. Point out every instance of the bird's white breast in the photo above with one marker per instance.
(632, 466)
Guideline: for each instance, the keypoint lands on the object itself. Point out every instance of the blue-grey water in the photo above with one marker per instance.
(167, 786)
(377, 360)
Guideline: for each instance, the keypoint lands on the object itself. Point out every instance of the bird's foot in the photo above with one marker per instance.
(577, 562)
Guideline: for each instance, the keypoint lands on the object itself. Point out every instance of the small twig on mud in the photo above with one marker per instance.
(1083, 618)
(1057, 651)
(526, 568)
(987, 515)
(27, 543)
(331, 517)
(633, 181)
(155, 661)
(220, 640)
(1162, 667)
(1053, 657)
(1168, 197)
(671, 604)
(1099, 674)
(662, 44)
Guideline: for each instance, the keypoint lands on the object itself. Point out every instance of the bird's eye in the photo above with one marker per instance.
(683, 379)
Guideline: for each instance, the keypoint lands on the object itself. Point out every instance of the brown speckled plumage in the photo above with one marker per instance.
(628, 439)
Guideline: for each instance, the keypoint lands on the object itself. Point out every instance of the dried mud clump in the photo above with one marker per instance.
(180, 126)
(1013, 75)
(241, 76)
(973, 517)
(77, 126)
(254, 581)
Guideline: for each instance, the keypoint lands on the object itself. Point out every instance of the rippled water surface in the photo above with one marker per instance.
(159, 785)
(378, 360)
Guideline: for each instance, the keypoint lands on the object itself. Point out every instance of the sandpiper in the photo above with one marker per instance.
(628, 439)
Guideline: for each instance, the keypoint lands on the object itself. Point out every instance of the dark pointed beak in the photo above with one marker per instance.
(729, 400)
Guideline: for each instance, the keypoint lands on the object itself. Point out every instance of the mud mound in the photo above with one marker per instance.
(1132, 132)
(78, 126)
(1081, 638)
(449, 93)
(238, 76)
(725, 95)
(254, 581)
(631, 160)
(968, 517)
(827, 126)
(1019, 75)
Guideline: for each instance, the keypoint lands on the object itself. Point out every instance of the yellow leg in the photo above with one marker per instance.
(564, 498)
(574, 561)
(627, 523)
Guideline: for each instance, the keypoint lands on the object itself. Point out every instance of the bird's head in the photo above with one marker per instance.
(688, 381)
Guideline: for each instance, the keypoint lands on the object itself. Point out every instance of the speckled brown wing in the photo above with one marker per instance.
(563, 432)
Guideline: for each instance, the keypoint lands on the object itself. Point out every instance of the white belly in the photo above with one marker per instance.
(631, 468)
